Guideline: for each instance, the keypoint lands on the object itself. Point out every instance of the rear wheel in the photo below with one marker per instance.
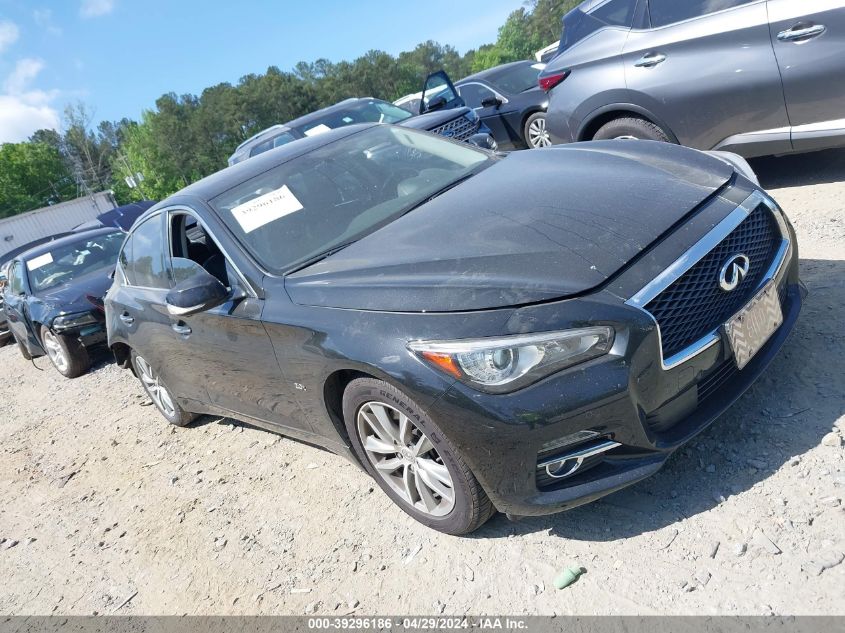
(631, 128)
(68, 355)
(411, 459)
(535, 132)
(159, 394)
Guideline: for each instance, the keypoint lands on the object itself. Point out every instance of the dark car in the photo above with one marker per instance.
(5, 332)
(479, 331)
(459, 122)
(54, 297)
(754, 77)
(510, 103)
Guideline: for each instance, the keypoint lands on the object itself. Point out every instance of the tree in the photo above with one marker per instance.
(32, 175)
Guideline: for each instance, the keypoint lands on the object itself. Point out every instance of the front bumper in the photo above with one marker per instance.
(629, 397)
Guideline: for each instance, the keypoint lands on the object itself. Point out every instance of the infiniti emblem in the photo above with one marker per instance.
(733, 272)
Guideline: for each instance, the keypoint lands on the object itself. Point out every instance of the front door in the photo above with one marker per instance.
(809, 41)
(707, 75)
(15, 298)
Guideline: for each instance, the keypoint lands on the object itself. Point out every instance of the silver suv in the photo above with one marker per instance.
(755, 77)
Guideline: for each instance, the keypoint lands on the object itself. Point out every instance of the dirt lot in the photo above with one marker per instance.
(107, 509)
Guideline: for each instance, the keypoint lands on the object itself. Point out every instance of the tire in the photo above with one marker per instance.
(23, 351)
(159, 393)
(534, 132)
(631, 128)
(424, 455)
(68, 355)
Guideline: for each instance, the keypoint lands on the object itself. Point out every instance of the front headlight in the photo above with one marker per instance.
(500, 365)
(68, 321)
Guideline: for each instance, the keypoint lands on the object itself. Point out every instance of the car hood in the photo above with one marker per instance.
(431, 120)
(535, 226)
(73, 297)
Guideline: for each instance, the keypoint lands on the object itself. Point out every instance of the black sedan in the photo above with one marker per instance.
(54, 297)
(510, 103)
(479, 331)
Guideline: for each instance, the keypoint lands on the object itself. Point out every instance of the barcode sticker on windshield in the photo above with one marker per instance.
(265, 209)
(42, 260)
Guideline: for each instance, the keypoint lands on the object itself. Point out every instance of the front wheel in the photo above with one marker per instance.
(67, 354)
(535, 132)
(631, 128)
(411, 459)
(159, 394)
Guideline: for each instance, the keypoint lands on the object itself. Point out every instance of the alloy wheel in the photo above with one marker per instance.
(54, 351)
(156, 390)
(538, 136)
(405, 459)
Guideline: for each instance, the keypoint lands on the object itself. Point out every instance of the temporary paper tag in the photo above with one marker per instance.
(265, 209)
(42, 260)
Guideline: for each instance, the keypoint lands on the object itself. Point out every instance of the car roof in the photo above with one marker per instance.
(212, 186)
(319, 114)
(65, 241)
(490, 73)
(260, 136)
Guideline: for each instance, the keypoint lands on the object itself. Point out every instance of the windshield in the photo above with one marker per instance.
(516, 79)
(70, 261)
(371, 111)
(341, 192)
(593, 15)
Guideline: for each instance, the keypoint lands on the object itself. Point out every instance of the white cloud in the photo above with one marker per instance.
(95, 8)
(8, 34)
(44, 19)
(24, 110)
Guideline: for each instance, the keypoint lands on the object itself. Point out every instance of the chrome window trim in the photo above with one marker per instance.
(694, 255)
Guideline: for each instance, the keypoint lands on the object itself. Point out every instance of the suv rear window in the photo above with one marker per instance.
(665, 12)
(594, 15)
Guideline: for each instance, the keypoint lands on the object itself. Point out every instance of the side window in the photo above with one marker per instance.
(142, 258)
(16, 278)
(665, 12)
(474, 94)
(616, 12)
(192, 248)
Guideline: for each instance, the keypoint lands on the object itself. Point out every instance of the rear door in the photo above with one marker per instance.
(809, 41)
(706, 70)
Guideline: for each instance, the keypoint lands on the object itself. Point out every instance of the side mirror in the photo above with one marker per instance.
(198, 293)
(436, 104)
(491, 102)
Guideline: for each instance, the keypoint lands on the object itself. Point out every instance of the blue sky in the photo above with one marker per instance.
(118, 56)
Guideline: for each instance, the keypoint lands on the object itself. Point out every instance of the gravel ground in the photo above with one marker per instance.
(107, 509)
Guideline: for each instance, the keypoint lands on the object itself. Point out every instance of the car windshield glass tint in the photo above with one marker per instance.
(592, 16)
(341, 192)
(71, 261)
(362, 112)
(516, 79)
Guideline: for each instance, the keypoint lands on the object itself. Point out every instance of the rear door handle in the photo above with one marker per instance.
(799, 32)
(181, 328)
(650, 60)
(128, 320)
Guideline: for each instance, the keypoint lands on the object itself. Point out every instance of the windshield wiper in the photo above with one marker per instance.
(320, 256)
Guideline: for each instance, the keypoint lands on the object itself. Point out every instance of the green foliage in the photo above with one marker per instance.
(187, 137)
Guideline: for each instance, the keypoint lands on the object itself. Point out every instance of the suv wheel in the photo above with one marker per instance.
(631, 128)
(67, 354)
(159, 394)
(411, 459)
(535, 132)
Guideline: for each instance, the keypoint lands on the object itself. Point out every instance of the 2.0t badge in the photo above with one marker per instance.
(733, 272)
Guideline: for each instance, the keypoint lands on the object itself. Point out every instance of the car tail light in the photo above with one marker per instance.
(547, 82)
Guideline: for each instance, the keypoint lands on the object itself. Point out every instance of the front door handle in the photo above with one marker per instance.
(128, 320)
(799, 32)
(181, 328)
(650, 60)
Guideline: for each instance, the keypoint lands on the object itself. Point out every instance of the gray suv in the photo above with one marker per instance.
(755, 77)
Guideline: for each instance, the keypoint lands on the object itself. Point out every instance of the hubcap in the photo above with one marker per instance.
(537, 134)
(405, 459)
(55, 351)
(155, 389)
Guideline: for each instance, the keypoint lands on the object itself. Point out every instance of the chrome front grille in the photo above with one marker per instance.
(686, 301)
(695, 305)
(459, 129)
